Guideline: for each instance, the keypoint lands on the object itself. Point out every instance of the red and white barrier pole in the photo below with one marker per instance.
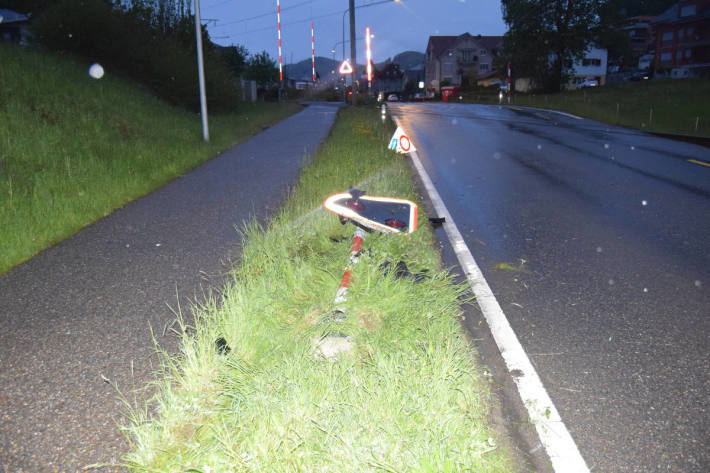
(313, 54)
(509, 74)
(347, 275)
(278, 19)
(369, 57)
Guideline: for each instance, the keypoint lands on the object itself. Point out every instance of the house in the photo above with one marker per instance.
(640, 31)
(592, 66)
(452, 59)
(14, 27)
(683, 39)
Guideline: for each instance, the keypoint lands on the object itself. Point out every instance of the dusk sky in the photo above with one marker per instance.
(397, 26)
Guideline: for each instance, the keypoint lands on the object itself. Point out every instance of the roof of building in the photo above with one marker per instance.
(11, 16)
(672, 15)
(440, 44)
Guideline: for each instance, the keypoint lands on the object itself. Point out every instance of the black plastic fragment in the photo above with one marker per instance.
(401, 271)
(222, 347)
(437, 221)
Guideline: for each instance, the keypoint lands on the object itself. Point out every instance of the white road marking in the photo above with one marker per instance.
(566, 114)
(554, 436)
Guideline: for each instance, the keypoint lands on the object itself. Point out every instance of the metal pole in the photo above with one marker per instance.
(201, 73)
(353, 48)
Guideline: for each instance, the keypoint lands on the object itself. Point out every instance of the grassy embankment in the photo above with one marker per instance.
(73, 149)
(668, 106)
(408, 397)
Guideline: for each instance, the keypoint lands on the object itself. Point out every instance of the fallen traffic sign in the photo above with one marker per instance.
(400, 142)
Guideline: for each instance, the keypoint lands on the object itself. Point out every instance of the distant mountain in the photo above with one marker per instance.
(304, 69)
(407, 60)
(328, 68)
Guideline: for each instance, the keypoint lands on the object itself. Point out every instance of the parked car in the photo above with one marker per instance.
(393, 98)
(639, 76)
(418, 97)
(587, 82)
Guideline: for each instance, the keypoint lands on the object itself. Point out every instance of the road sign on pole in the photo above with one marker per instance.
(345, 67)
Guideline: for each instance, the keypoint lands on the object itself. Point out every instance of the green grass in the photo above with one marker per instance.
(408, 397)
(679, 106)
(73, 149)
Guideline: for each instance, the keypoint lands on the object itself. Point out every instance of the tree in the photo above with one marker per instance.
(235, 57)
(262, 69)
(545, 37)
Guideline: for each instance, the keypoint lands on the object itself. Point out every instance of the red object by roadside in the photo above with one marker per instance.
(449, 91)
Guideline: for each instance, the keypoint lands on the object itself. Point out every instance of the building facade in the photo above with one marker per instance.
(682, 43)
(451, 60)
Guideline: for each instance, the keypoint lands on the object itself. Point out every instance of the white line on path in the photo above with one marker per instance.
(554, 436)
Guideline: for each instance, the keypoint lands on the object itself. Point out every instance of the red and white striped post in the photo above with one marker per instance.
(345, 281)
(278, 19)
(509, 74)
(313, 54)
(369, 58)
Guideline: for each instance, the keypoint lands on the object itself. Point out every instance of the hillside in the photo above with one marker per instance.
(76, 148)
(407, 60)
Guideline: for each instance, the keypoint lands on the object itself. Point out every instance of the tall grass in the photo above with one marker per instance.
(669, 106)
(407, 397)
(73, 149)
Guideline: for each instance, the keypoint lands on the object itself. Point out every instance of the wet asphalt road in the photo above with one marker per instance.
(596, 242)
(79, 313)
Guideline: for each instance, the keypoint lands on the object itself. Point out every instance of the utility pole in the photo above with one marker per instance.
(353, 48)
(201, 73)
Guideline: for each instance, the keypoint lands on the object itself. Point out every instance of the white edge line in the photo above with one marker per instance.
(554, 111)
(554, 436)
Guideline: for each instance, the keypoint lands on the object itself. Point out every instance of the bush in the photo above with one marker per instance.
(126, 41)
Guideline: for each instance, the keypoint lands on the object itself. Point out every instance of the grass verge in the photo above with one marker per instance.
(663, 106)
(73, 149)
(408, 397)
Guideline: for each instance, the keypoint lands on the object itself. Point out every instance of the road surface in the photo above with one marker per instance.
(596, 242)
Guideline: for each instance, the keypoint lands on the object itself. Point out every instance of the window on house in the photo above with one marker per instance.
(678, 55)
(483, 67)
(483, 52)
(467, 56)
(666, 57)
(447, 68)
(687, 10)
(667, 37)
(688, 53)
(591, 62)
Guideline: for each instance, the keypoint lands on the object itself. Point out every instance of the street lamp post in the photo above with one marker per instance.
(201, 73)
(351, 9)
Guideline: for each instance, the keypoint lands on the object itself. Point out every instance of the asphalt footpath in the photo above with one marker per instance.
(76, 320)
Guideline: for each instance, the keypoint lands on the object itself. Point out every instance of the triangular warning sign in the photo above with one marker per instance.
(400, 142)
(346, 68)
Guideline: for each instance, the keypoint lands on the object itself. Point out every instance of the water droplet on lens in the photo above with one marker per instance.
(698, 283)
(606, 145)
(645, 289)
(539, 146)
(611, 282)
(599, 249)
(644, 203)
(496, 155)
